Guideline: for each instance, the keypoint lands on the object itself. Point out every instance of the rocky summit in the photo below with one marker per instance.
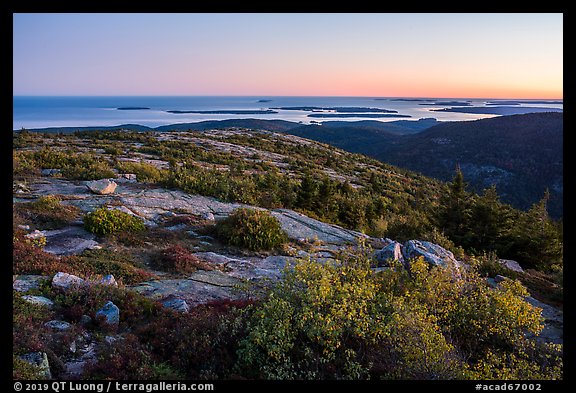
(148, 232)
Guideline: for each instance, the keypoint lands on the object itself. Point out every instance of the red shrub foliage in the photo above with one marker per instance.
(179, 259)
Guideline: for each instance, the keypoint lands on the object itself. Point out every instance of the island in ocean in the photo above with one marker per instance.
(368, 116)
(132, 108)
(499, 110)
(264, 100)
(228, 112)
(405, 99)
(451, 103)
(338, 109)
(515, 102)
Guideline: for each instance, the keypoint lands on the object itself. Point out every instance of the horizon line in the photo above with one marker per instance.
(267, 95)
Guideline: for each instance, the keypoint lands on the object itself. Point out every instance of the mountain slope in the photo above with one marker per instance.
(356, 139)
(521, 154)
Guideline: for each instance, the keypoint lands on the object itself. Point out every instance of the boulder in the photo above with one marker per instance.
(36, 235)
(65, 281)
(40, 360)
(50, 172)
(20, 188)
(208, 216)
(25, 283)
(70, 240)
(393, 251)
(39, 300)
(58, 325)
(101, 187)
(176, 304)
(85, 320)
(202, 287)
(108, 280)
(553, 331)
(298, 226)
(512, 265)
(432, 253)
(109, 315)
(177, 227)
(498, 279)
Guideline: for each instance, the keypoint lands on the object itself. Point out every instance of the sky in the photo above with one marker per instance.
(321, 54)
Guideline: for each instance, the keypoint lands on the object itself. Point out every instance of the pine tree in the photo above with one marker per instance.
(454, 212)
(307, 192)
(537, 241)
(490, 221)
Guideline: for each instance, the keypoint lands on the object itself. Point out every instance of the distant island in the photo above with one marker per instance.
(452, 103)
(514, 102)
(264, 101)
(229, 112)
(499, 110)
(338, 109)
(368, 116)
(406, 99)
(132, 108)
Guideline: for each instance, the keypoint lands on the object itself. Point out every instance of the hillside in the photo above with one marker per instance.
(249, 254)
(521, 154)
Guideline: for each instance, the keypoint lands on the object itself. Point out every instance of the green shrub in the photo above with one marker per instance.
(252, 229)
(113, 150)
(48, 212)
(530, 361)
(146, 173)
(341, 320)
(488, 265)
(103, 221)
(93, 169)
(83, 166)
(121, 265)
(25, 371)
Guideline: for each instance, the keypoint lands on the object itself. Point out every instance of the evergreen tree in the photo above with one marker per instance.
(490, 221)
(307, 192)
(537, 240)
(454, 212)
(326, 203)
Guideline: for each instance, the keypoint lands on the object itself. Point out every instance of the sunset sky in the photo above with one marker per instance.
(373, 55)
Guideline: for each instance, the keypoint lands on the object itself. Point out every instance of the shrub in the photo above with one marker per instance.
(178, 259)
(113, 150)
(488, 265)
(252, 229)
(122, 359)
(30, 259)
(121, 265)
(88, 299)
(144, 172)
(341, 320)
(83, 166)
(532, 360)
(103, 221)
(24, 371)
(202, 343)
(48, 212)
(475, 316)
(314, 323)
(23, 165)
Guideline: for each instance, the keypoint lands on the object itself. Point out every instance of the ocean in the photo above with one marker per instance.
(58, 111)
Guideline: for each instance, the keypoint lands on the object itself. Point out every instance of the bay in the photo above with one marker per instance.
(89, 111)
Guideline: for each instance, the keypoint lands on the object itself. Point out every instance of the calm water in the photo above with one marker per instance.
(40, 112)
